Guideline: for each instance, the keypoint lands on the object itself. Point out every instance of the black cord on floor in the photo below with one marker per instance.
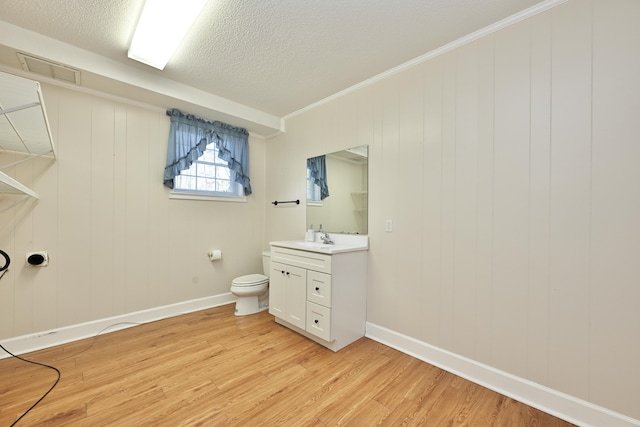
(56, 369)
(44, 395)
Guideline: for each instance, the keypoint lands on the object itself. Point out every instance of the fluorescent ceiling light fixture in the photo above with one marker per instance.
(161, 29)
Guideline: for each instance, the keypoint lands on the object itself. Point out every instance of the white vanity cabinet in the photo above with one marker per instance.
(321, 296)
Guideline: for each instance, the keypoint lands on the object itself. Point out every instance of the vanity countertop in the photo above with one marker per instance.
(343, 243)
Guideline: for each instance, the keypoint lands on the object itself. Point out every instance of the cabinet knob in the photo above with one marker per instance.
(288, 273)
(316, 321)
(282, 272)
(317, 288)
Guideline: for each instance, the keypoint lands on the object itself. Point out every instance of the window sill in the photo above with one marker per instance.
(206, 197)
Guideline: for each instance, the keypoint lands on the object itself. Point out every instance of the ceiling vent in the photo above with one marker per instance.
(49, 69)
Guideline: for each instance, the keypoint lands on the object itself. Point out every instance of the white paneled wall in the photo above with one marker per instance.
(509, 167)
(117, 243)
(614, 279)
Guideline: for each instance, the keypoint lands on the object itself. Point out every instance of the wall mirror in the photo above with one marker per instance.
(345, 209)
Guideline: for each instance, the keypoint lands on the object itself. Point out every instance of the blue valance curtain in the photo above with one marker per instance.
(318, 169)
(189, 136)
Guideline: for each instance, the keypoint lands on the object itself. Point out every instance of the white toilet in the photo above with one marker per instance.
(252, 290)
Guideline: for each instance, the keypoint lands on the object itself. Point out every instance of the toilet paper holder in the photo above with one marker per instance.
(214, 254)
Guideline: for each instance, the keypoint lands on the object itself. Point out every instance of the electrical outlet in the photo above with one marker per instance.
(388, 226)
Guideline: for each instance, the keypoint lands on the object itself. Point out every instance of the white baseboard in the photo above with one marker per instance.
(561, 405)
(38, 341)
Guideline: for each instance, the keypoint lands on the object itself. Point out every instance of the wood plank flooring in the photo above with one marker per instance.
(211, 368)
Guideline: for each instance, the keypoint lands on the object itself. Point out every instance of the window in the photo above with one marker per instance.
(208, 175)
(206, 159)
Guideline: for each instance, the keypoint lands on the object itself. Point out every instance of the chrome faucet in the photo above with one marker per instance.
(326, 239)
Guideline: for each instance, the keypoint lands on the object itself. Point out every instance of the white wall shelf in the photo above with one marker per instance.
(11, 186)
(24, 127)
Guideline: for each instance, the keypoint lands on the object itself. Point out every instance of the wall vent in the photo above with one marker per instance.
(49, 68)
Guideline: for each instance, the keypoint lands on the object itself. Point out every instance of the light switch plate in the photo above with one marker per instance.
(388, 226)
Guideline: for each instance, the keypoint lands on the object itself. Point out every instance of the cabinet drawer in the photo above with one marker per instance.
(319, 288)
(319, 321)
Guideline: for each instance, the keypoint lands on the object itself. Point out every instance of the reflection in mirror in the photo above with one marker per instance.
(344, 210)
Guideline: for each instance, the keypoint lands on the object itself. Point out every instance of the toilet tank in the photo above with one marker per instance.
(266, 262)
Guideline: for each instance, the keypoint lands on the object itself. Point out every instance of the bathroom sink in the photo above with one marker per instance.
(343, 244)
(314, 245)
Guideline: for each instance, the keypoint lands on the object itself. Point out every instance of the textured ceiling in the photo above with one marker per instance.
(274, 56)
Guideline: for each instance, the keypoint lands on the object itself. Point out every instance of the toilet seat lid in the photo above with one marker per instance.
(250, 279)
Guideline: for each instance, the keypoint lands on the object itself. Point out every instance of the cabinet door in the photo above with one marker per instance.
(288, 293)
(277, 290)
(296, 279)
